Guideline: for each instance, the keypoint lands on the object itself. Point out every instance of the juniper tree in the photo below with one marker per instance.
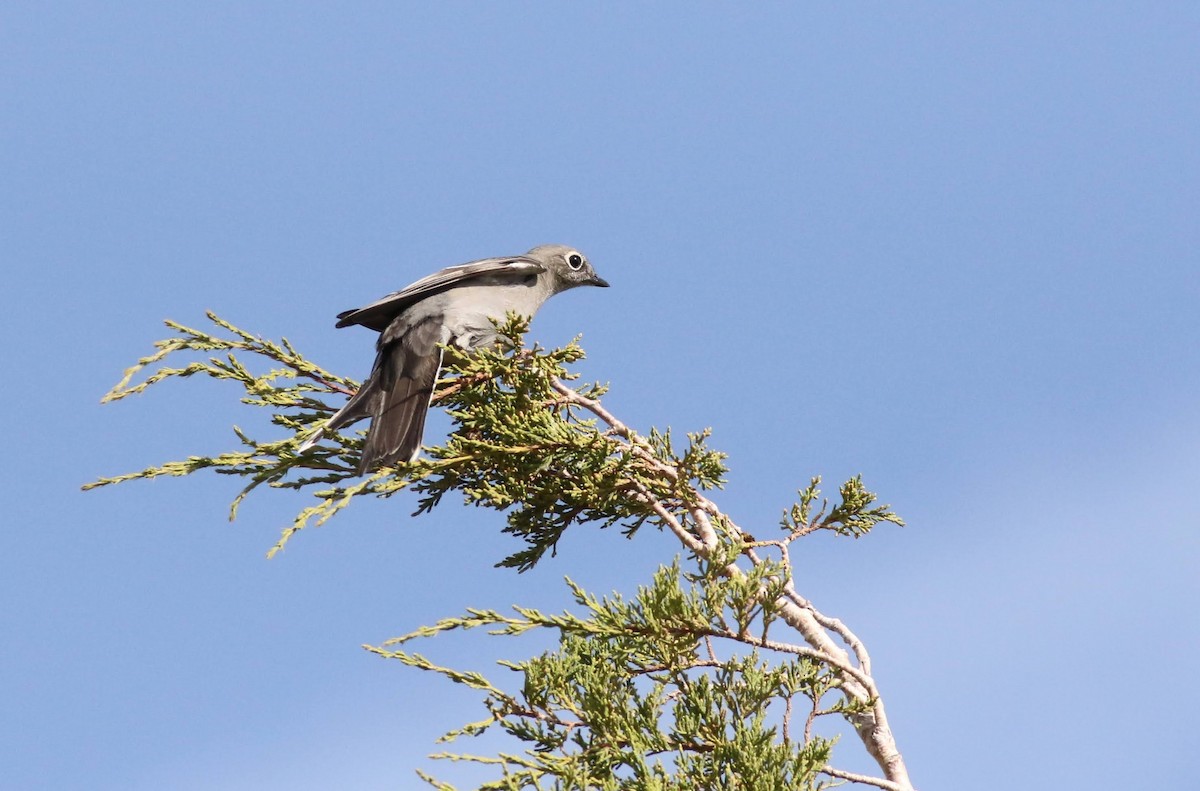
(711, 675)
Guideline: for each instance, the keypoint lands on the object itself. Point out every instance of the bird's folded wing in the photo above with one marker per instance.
(379, 313)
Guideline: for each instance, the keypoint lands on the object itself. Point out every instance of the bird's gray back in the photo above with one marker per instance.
(514, 270)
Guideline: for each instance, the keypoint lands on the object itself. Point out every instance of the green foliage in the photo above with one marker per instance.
(853, 516)
(293, 390)
(684, 686)
(516, 445)
(648, 693)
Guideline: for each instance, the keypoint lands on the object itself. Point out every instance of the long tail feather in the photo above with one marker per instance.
(399, 420)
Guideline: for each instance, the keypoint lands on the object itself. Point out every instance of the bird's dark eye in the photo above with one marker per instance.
(575, 260)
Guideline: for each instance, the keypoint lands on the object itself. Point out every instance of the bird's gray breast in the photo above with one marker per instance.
(468, 311)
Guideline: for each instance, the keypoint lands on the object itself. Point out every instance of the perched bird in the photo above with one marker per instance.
(453, 307)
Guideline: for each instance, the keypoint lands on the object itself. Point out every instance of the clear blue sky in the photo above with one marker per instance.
(954, 247)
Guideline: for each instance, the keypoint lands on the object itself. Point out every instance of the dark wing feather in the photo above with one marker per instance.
(399, 423)
(405, 373)
(395, 396)
(380, 313)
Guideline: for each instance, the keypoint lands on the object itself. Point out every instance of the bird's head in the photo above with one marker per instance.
(567, 266)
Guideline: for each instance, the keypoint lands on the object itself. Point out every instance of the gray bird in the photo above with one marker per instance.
(453, 307)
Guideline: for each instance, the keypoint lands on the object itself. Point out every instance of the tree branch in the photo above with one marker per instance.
(526, 443)
(872, 724)
(853, 777)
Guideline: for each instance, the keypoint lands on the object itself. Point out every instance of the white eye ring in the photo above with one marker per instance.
(575, 261)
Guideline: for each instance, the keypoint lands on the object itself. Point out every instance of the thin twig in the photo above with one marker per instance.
(854, 777)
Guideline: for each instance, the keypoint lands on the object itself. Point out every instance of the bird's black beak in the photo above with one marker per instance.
(598, 281)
